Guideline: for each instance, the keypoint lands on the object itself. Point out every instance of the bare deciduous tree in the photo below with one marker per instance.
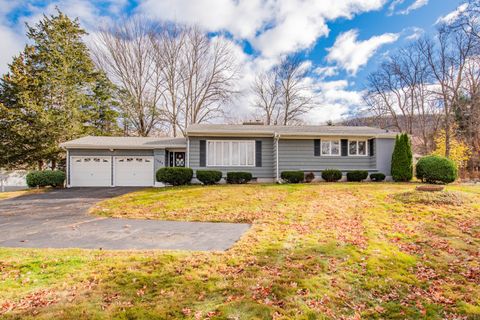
(198, 72)
(401, 91)
(266, 89)
(125, 52)
(447, 58)
(208, 74)
(283, 94)
(296, 94)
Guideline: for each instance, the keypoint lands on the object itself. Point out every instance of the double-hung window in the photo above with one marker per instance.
(230, 153)
(330, 147)
(357, 147)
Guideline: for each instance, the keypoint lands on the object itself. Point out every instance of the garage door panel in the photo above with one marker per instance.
(134, 171)
(90, 171)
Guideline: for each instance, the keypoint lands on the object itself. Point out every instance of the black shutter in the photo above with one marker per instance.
(166, 158)
(371, 147)
(316, 147)
(203, 153)
(344, 147)
(258, 153)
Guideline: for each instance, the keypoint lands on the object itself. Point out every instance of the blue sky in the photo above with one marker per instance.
(342, 40)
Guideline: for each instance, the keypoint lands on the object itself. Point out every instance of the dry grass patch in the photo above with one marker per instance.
(454, 198)
(14, 194)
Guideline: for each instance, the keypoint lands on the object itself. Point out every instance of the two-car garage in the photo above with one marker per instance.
(118, 161)
(104, 171)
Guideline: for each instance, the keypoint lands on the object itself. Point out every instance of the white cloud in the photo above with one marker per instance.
(393, 6)
(351, 54)
(12, 44)
(334, 101)
(325, 72)
(274, 28)
(417, 4)
(452, 16)
(415, 34)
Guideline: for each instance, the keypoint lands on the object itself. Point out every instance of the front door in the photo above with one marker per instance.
(177, 159)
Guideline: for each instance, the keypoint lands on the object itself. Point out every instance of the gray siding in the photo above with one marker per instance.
(384, 155)
(299, 155)
(265, 171)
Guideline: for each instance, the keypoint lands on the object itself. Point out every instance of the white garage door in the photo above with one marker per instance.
(134, 171)
(90, 171)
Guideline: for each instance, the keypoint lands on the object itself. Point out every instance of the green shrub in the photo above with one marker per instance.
(292, 176)
(402, 159)
(209, 176)
(176, 176)
(239, 177)
(357, 175)
(377, 176)
(436, 169)
(54, 178)
(331, 175)
(309, 177)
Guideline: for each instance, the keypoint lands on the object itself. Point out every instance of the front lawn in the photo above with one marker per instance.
(340, 250)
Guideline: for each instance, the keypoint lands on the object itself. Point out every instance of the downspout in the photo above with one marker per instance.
(68, 169)
(188, 152)
(276, 138)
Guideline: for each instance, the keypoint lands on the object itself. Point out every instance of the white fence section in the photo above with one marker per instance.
(13, 180)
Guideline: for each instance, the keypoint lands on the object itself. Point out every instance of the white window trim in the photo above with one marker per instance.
(330, 149)
(358, 155)
(230, 156)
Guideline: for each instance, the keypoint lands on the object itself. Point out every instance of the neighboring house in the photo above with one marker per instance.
(263, 150)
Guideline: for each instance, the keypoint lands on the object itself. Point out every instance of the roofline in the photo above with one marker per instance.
(236, 133)
(116, 147)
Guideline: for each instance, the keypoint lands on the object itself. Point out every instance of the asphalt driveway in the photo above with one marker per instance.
(59, 219)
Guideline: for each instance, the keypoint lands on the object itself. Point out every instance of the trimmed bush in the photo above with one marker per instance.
(309, 177)
(209, 176)
(357, 175)
(53, 178)
(239, 177)
(377, 177)
(436, 169)
(402, 159)
(292, 176)
(176, 176)
(331, 175)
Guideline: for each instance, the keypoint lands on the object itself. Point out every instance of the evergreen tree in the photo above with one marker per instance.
(402, 159)
(53, 93)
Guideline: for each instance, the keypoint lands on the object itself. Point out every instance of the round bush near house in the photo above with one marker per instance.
(436, 169)
(53, 178)
(377, 177)
(209, 176)
(239, 177)
(309, 177)
(175, 176)
(331, 175)
(292, 176)
(357, 175)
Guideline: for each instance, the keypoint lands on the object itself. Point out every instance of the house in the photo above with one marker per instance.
(263, 150)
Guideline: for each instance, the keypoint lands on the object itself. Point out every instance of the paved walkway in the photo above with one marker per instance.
(59, 219)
